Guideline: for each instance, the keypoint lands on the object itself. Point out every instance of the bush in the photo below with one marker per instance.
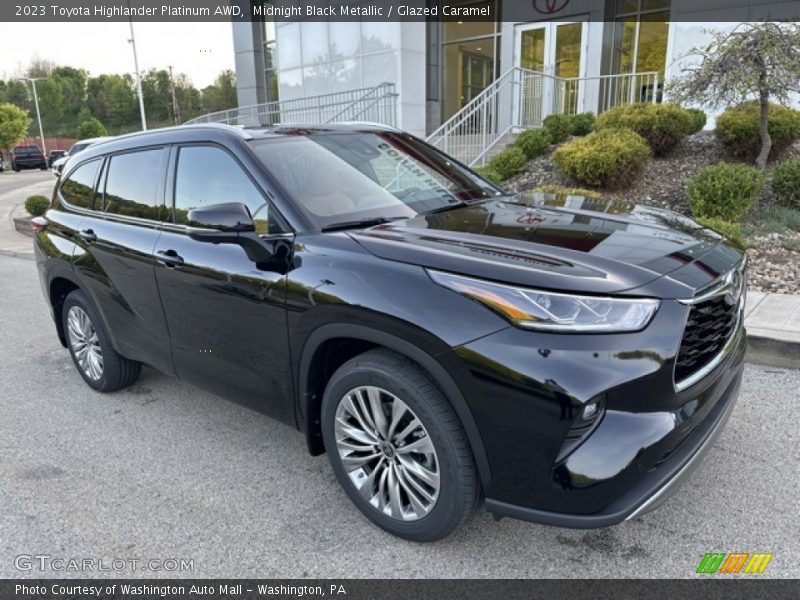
(533, 142)
(509, 162)
(698, 119)
(560, 190)
(731, 231)
(489, 174)
(724, 191)
(662, 126)
(737, 129)
(90, 128)
(558, 126)
(582, 124)
(607, 158)
(786, 182)
(37, 205)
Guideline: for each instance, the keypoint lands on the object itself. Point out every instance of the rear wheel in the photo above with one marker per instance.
(101, 367)
(397, 447)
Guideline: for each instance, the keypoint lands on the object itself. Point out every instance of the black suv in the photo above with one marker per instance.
(28, 157)
(561, 359)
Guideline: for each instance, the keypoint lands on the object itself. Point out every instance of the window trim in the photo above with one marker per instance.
(160, 192)
(172, 181)
(63, 200)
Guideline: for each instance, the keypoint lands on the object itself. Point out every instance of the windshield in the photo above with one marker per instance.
(77, 148)
(360, 176)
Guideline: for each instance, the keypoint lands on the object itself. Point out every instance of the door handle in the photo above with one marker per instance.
(170, 258)
(88, 235)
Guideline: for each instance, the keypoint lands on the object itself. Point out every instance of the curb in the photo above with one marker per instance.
(773, 352)
(26, 255)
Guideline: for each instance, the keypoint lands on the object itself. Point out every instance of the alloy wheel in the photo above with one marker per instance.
(387, 453)
(85, 343)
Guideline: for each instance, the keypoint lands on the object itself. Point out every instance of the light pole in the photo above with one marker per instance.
(132, 41)
(33, 81)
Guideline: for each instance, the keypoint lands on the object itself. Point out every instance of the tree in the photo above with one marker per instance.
(91, 128)
(13, 125)
(221, 95)
(755, 61)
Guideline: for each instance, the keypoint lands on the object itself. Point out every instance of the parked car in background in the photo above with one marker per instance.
(58, 165)
(564, 360)
(2, 162)
(54, 156)
(28, 157)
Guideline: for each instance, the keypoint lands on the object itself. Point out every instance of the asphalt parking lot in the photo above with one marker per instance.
(163, 470)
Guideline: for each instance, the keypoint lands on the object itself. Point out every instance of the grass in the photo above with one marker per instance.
(774, 219)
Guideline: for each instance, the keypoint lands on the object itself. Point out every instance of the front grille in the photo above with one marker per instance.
(709, 326)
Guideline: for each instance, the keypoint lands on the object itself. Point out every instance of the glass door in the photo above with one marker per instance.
(556, 53)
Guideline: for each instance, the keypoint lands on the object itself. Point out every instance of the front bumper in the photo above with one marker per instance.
(527, 390)
(652, 490)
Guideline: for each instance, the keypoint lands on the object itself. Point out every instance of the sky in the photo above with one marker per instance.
(200, 50)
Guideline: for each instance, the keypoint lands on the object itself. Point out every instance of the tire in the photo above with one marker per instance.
(456, 494)
(115, 371)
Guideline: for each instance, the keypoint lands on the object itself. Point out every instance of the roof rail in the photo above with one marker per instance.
(235, 129)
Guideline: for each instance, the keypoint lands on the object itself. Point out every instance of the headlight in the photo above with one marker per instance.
(551, 311)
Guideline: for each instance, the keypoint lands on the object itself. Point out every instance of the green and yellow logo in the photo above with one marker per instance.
(735, 562)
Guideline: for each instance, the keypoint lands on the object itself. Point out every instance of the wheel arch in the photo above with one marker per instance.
(365, 338)
(58, 289)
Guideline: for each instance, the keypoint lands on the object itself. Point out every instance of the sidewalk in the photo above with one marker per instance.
(773, 329)
(12, 204)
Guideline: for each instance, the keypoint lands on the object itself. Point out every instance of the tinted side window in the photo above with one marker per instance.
(78, 188)
(208, 175)
(132, 185)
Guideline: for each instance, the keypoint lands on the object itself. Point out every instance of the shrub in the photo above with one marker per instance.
(724, 191)
(698, 119)
(607, 158)
(489, 174)
(37, 205)
(560, 190)
(90, 128)
(786, 182)
(731, 231)
(508, 162)
(558, 126)
(582, 124)
(533, 142)
(737, 129)
(775, 219)
(662, 126)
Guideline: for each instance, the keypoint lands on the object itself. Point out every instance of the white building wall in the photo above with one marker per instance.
(316, 58)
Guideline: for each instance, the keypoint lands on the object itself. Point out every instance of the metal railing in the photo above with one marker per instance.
(377, 104)
(521, 99)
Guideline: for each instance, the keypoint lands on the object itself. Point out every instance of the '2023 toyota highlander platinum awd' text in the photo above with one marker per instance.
(559, 359)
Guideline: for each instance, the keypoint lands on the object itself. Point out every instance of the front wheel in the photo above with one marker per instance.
(397, 447)
(101, 367)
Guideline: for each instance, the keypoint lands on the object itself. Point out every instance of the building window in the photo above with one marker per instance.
(469, 58)
(641, 33)
(270, 59)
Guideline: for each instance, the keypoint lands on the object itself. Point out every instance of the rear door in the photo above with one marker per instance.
(115, 260)
(226, 316)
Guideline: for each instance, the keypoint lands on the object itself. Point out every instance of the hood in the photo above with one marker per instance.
(559, 242)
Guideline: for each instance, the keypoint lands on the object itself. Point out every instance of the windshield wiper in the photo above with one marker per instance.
(445, 208)
(360, 223)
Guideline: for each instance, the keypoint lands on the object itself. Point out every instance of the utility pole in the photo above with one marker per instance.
(132, 41)
(176, 113)
(33, 81)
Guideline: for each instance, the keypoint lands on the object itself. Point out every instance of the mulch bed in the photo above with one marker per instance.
(774, 267)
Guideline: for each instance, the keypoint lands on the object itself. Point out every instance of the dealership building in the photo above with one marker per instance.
(480, 79)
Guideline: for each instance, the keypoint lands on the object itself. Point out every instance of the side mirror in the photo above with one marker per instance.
(231, 223)
(216, 222)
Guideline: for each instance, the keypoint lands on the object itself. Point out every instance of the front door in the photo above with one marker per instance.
(226, 317)
(557, 53)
